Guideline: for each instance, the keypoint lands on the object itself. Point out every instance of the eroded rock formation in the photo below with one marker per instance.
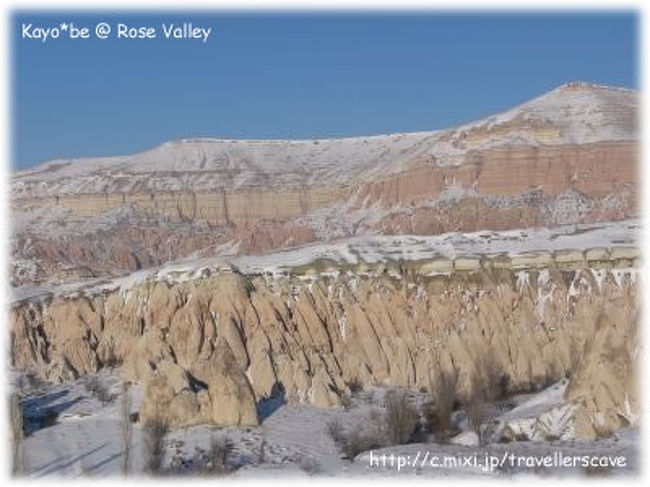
(375, 277)
(212, 345)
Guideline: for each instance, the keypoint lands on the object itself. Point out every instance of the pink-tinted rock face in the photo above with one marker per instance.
(569, 156)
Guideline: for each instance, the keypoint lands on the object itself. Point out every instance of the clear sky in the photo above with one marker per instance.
(296, 75)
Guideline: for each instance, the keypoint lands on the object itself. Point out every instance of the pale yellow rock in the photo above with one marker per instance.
(467, 264)
(569, 259)
(630, 253)
(597, 254)
(436, 266)
(533, 260)
(238, 338)
(604, 387)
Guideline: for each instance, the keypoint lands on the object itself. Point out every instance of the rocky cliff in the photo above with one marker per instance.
(569, 156)
(212, 342)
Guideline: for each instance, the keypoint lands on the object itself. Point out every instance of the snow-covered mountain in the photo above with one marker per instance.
(566, 157)
(576, 113)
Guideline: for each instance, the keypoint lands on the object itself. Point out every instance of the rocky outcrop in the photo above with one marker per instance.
(604, 388)
(210, 346)
(214, 390)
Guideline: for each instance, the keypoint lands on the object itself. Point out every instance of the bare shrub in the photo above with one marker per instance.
(154, 432)
(220, 451)
(215, 461)
(358, 439)
(473, 403)
(401, 417)
(261, 458)
(20, 383)
(489, 384)
(474, 408)
(492, 382)
(437, 413)
(33, 381)
(17, 435)
(99, 390)
(125, 427)
(336, 432)
(28, 382)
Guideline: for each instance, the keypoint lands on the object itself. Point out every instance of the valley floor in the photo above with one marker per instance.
(85, 439)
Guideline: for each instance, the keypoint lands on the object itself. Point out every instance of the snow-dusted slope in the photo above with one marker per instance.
(394, 248)
(576, 113)
(371, 249)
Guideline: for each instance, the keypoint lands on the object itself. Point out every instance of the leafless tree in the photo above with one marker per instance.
(154, 431)
(17, 435)
(443, 386)
(126, 429)
(401, 417)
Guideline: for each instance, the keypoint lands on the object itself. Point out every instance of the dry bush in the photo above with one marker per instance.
(474, 408)
(361, 439)
(126, 428)
(221, 450)
(28, 382)
(99, 390)
(336, 432)
(401, 417)
(154, 432)
(261, 457)
(33, 381)
(358, 439)
(395, 426)
(437, 412)
(17, 435)
(489, 384)
(492, 382)
(215, 460)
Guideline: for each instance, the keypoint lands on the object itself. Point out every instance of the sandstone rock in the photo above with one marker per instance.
(216, 392)
(604, 387)
(313, 336)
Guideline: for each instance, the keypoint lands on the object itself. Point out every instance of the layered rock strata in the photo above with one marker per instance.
(569, 156)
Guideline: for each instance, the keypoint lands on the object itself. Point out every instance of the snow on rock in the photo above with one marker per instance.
(466, 438)
(571, 114)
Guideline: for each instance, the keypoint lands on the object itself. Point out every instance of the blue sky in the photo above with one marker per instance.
(296, 75)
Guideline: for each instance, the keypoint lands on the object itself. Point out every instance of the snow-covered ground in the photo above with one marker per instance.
(292, 440)
(366, 249)
(383, 248)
